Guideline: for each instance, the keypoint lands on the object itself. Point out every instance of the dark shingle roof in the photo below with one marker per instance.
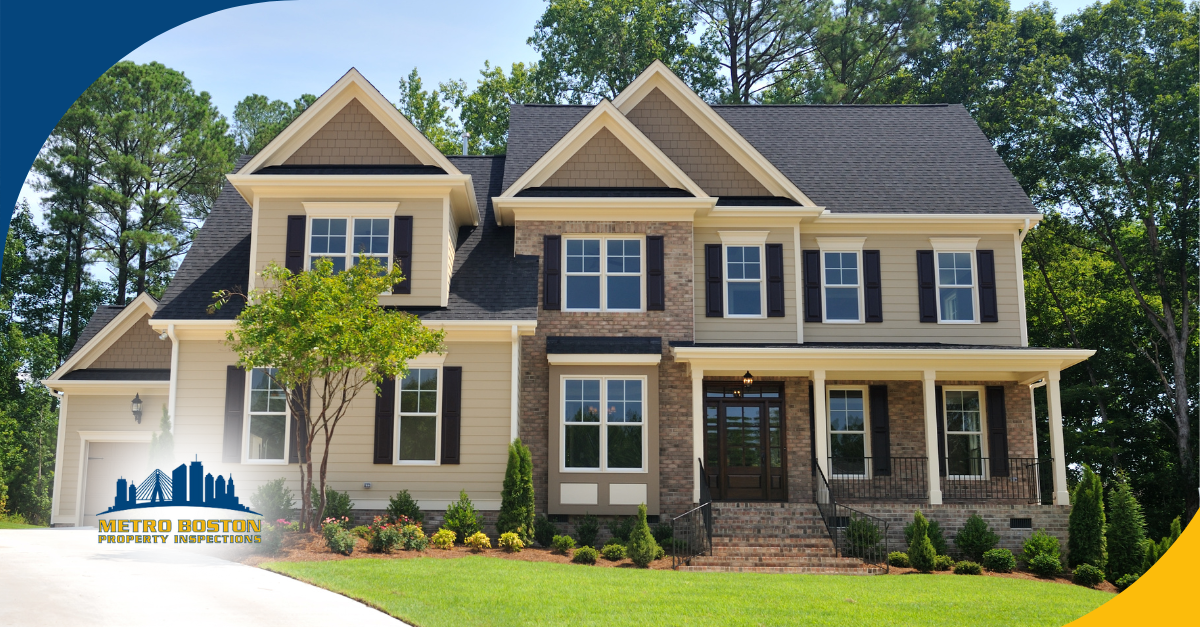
(104, 315)
(571, 345)
(847, 158)
(218, 259)
(118, 374)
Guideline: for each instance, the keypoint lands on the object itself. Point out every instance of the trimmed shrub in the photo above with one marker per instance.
(562, 544)
(613, 552)
(478, 541)
(967, 568)
(413, 538)
(920, 549)
(936, 538)
(337, 504)
(663, 533)
(1126, 532)
(1125, 582)
(1040, 543)
(898, 559)
(587, 529)
(943, 562)
(862, 536)
(1087, 575)
(461, 517)
(622, 528)
(516, 514)
(659, 552)
(272, 539)
(544, 531)
(1045, 565)
(274, 500)
(510, 542)
(999, 561)
(975, 538)
(1086, 542)
(385, 536)
(403, 504)
(585, 555)
(642, 548)
(361, 531)
(444, 539)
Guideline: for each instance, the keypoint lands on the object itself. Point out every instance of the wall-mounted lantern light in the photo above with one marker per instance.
(136, 406)
(747, 379)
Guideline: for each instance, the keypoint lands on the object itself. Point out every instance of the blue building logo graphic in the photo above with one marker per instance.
(187, 486)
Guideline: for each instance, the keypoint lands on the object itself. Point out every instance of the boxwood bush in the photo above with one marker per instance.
(1087, 575)
(975, 538)
(562, 544)
(967, 568)
(943, 562)
(544, 531)
(613, 552)
(999, 561)
(585, 555)
(587, 529)
(1125, 581)
(1045, 565)
(898, 559)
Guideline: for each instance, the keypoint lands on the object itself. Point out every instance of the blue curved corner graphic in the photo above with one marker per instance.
(187, 486)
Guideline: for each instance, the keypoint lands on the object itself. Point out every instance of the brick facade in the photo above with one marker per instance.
(951, 518)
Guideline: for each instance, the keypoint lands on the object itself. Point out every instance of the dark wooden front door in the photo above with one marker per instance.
(744, 449)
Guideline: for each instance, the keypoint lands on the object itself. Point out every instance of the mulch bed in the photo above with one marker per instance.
(1018, 574)
(304, 547)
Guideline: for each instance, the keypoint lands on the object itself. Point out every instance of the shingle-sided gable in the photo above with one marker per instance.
(603, 162)
(104, 314)
(353, 136)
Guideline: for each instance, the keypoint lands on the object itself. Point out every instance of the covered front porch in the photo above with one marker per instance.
(880, 423)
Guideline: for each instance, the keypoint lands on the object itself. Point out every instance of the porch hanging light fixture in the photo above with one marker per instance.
(747, 379)
(136, 406)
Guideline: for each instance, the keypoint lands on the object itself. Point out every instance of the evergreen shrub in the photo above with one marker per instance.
(403, 504)
(943, 562)
(412, 538)
(920, 549)
(898, 559)
(337, 504)
(613, 552)
(1125, 533)
(1086, 538)
(478, 541)
(461, 517)
(975, 538)
(936, 538)
(587, 529)
(1040, 543)
(967, 568)
(444, 539)
(562, 544)
(585, 555)
(1045, 565)
(544, 531)
(862, 536)
(516, 510)
(999, 561)
(1087, 575)
(510, 542)
(642, 548)
(274, 500)
(620, 528)
(1125, 581)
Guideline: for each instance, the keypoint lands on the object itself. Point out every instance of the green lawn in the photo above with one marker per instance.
(488, 591)
(4, 524)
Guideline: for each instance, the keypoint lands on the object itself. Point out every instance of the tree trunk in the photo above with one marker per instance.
(141, 278)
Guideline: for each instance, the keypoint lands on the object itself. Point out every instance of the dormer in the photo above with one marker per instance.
(350, 176)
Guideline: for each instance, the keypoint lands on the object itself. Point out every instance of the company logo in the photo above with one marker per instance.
(179, 509)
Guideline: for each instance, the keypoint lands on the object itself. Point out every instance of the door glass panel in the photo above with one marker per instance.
(712, 440)
(743, 436)
(775, 435)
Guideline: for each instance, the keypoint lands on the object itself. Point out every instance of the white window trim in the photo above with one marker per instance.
(562, 425)
(603, 274)
(428, 362)
(350, 254)
(866, 428)
(985, 471)
(843, 245)
(287, 427)
(744, 239)
(956, 245)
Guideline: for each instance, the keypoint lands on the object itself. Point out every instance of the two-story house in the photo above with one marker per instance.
(667, 301)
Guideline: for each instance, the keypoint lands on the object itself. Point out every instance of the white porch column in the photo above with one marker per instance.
(1054, 402)
(697, 429)
(931, 435)
(820, 422)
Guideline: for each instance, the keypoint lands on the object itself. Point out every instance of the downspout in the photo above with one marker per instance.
(1024, 232)
(514, 404)
(171, 394)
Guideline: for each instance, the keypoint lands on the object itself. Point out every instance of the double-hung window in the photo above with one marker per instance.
(956, 286)
(964, 433)
(419, 406)
(744, 280)
(267, 426)
(604, 424)
(843, 287)
(345, 241)
(847, 431)
(604, 274)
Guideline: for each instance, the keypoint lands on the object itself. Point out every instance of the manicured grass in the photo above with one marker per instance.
(4, 524)
(486, 591)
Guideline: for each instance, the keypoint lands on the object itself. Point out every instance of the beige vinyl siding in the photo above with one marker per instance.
(483, 444)
(98, 413)
(603, 162)
(429, 222)
(139, 347)
(747, 329)
(901, 312)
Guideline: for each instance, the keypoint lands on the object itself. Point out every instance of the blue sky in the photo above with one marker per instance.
(284, 49)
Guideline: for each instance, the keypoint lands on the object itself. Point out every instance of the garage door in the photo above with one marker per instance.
(107, 462)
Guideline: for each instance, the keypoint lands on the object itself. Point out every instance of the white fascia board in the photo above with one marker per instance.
(605, 359)
(122, 322)
(510, 209)
(106, 388)
(877, 359)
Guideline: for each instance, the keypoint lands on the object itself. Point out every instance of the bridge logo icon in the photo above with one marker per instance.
(187, 486)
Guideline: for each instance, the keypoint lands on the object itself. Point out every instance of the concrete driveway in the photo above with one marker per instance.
(62, 577)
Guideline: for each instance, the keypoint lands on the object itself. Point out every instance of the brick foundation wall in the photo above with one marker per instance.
(951, 518)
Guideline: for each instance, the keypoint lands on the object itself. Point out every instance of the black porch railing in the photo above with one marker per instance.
(865, 479)
(691, 532)
(854, 533)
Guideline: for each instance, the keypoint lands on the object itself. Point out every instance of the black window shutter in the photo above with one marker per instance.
(881, 438)
(812, 286)
(775, 281)
(712, 281)
(872, 286)
(402, 253)
(294, 257)
(235, 402)
(656, 284)
(997, 422)
(926, 288)
(300, 425)
(451, 413)
(988, 311)
(385, 421)
(941, 430)
(551, 282)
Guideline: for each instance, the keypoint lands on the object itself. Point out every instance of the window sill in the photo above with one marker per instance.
(958, 322)
(265, 462)
(843, 322)
(416, 463)
(597, 471)
(745, 316)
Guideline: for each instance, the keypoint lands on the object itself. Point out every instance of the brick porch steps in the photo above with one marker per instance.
(773, 538)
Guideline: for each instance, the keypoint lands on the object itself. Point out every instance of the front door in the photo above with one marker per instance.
(744, 449)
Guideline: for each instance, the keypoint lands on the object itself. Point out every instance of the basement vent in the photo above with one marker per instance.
(557, 518)
(841, 522)
(1020, 523)
(652, 519)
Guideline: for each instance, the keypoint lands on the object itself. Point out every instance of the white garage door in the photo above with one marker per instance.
(107, 462)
